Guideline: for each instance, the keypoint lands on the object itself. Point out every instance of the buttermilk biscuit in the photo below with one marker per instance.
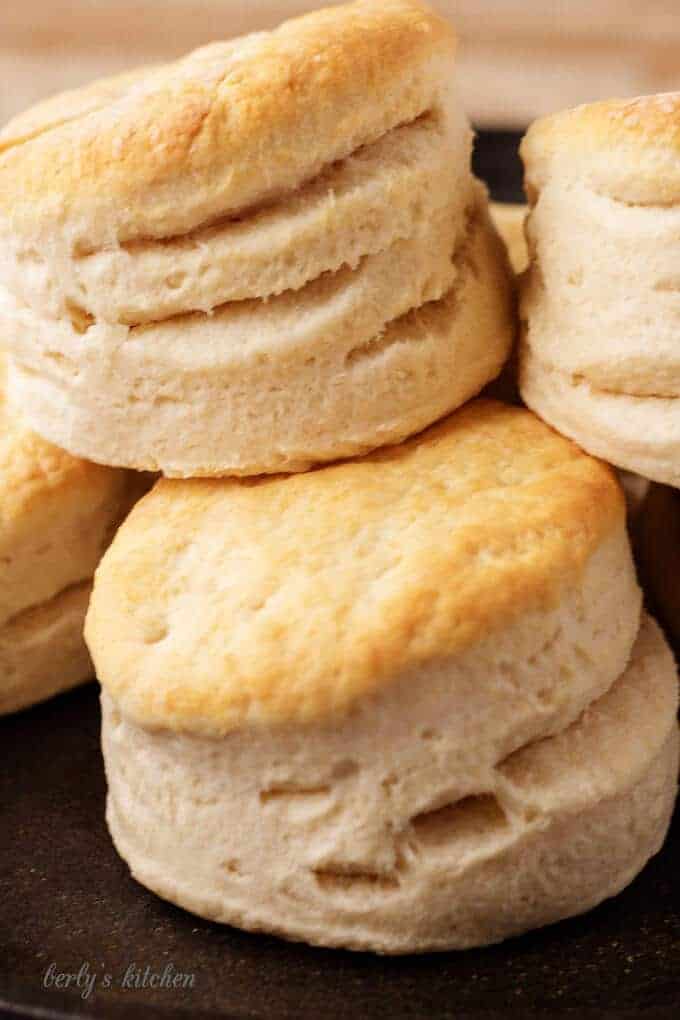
(600, 358)
(342, 677)
(267, 254)
(57, 514)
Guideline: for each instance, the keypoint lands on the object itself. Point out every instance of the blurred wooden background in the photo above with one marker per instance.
(518, 58)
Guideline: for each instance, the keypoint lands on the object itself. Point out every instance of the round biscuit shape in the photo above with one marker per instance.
(279, 601)
(600, 301)
(231, 269)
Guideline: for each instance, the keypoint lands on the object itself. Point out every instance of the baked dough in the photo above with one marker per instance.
(269, 254)
(600, 358)
(385, 704)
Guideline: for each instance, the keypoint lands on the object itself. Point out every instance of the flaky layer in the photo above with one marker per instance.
(350, 362)
(229, 126)
(42, 650)
(395, 189)
(640, 434)
(602, 298)
(400, 831)
(362, 299)
(314, 591)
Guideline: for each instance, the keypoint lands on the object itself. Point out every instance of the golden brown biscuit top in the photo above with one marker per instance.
(287, 599)
(163, 151)
(628, 149)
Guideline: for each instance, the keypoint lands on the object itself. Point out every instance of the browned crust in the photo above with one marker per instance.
(289, 598)
(229, 125)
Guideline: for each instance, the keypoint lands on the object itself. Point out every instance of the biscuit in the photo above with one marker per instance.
(57, 515)
(269, 254)
(333, 655)
(600, 359)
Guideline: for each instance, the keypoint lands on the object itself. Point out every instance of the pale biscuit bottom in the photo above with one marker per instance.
(639, 434)
(42, 650)
(301, 384)
(561, 824)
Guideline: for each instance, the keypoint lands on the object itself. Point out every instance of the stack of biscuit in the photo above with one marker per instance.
(403, 701)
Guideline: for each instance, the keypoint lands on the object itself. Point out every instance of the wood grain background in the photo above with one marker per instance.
(518, 58)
